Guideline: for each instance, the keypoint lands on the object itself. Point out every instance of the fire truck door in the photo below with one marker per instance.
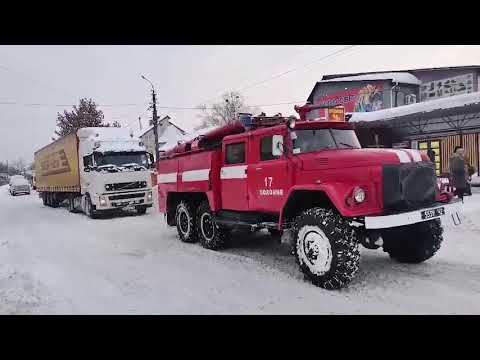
(268, 176)
(233, 175)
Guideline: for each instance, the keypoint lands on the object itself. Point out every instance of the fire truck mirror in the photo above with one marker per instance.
(277, 145)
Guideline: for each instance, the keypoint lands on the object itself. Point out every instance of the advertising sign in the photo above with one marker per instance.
(336, 114)
(457, 85)
(363, 99)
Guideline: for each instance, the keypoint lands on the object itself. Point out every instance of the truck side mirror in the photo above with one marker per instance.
(277, 145)
(152, 161)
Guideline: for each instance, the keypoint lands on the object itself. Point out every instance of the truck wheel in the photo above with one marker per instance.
(326, 248)
(141, 210)
(71, 204)
(185, 219)
(413, 243)
(210, 234)
(89, 209)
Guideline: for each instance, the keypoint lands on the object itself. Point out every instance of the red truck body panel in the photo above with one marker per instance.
(253, 185)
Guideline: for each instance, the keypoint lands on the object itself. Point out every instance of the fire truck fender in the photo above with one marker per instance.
(303, 197)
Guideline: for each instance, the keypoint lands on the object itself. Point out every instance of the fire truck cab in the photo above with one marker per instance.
(312, 183)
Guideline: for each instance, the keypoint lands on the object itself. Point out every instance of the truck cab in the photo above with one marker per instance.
(311, 182)
(114, 170)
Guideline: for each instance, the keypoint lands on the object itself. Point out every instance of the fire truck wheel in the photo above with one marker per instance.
(210, 234)
(185, 219)
(326, 248)
(413, 243)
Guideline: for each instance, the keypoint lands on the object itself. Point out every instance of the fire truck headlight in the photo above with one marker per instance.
(103, 201)
(359, 195)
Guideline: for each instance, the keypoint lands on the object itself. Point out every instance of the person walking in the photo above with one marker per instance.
(458, 172)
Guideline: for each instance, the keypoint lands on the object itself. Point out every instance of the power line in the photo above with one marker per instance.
(333, 54)
(296, 68)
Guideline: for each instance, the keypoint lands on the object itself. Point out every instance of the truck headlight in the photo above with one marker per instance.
(359, 195)
(108, 187)
(103, 201)
(149, 196)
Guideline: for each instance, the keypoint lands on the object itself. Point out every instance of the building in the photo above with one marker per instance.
(432, 108)
(168, 135)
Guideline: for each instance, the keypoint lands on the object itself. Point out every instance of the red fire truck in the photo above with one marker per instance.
(311, 183)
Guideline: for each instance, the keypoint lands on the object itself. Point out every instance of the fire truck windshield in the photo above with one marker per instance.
(311, 140)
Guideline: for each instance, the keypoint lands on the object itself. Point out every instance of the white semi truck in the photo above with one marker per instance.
(95, 170)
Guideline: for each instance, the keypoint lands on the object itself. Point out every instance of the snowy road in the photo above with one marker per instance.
(54, 262)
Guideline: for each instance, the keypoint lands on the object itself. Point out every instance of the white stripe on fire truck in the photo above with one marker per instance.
(196, 175)
(402, 155)
(167, 178)
(415, 154)
(234, 172)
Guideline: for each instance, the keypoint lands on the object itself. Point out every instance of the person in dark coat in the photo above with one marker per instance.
(458, 173)
(431, 155)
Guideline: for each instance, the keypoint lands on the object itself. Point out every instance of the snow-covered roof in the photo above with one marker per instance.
(172, 141)
(111, 139)
(170, 138)
(422, 107)
(400, 77)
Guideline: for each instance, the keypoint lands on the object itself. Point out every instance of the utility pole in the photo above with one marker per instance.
(155, 117)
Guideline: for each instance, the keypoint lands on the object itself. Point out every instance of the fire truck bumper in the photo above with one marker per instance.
(450, 211)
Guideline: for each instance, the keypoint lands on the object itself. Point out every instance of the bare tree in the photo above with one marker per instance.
(224, 112)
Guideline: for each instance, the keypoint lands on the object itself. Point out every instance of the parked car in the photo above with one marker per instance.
(19, 185)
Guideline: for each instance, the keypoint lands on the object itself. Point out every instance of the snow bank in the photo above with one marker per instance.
(427, 106)
(400, 77)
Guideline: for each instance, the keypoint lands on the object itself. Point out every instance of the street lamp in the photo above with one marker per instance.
(155, 118)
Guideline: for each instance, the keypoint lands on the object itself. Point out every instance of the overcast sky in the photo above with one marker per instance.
(185, 76)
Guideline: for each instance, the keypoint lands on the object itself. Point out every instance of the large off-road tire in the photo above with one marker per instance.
(89, 209)
(211, 235)
(326, 248)
(185, 217)
(413, 243)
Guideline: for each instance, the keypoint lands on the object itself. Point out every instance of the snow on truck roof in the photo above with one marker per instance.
(111, 139)
(450, 102)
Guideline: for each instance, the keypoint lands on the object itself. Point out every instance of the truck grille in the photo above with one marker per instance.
(409, 186)
(126, 196)
(126, 186)
(22, 188)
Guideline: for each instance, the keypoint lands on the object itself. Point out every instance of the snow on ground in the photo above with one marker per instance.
(55, 262)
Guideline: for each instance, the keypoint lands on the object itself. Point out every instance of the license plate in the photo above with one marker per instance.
(428, 214)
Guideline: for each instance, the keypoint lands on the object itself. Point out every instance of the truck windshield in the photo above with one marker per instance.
(122, 159)
(311, 140)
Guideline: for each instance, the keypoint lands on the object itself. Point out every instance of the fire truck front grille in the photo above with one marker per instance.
(409, 186)
(126, 196)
